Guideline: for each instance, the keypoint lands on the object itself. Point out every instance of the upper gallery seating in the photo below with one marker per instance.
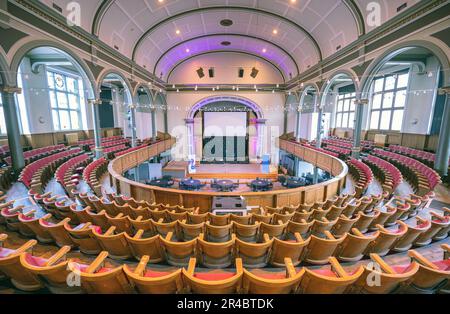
(104, 140)
(38, 153)
(388, 174)
(362, 173)
(423, 156)
(93, 172)
(421, 176)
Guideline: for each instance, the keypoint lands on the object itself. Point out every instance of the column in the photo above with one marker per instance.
(12, 126)
(319, 126)
(285, 121)
(166, 121)
(443, 151)
(360, 103)
(260, 129)
(154, 127)
(133, 125)
(296, 166)
(190, 136)
(298, 123)
(97, 130)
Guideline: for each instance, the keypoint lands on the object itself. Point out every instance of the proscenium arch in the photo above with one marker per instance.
(338, 74)
(238, 99)
(237, 8)
(79, 64)
(392, 52)
(225, 34)
(216, 51)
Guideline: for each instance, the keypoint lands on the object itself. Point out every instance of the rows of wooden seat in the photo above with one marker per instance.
(68, 174)
(423, 178)
(362, 174)
(423, 156)
(387, 173)
(144, 231)
(37, 174)
(104, 140)
(93, 173)
(62, 275)
(36, 154)
(112, 143)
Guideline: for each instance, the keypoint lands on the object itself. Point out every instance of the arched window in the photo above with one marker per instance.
(345, 112)
(389, 101)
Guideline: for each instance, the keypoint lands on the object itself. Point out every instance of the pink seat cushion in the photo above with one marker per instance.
(35, 261)
(272, 276)
(47, 223)
(156, 274)
(97, 229)
(443, 265)
(5, 252)
(214, 276)
(401, 269)
(325, 272)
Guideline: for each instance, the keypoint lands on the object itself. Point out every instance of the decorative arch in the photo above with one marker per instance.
(107, 72)
(305, 90)
(160, 99)
(340, 73)
(238, 99)
(78, 62)
(379, 62)
(4, 71)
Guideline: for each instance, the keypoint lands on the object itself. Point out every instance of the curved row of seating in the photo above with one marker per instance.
(38, 153)
(388, 174)
(322, 150)
(104, 140)
(31, 273)
(347, 143)
(362, 174)
(115, 149)
(37, 174)
(93, 172)
(338, 150)
(112, 143)
(130, 150)
(69, 173)
(423, 156)
(421, 176)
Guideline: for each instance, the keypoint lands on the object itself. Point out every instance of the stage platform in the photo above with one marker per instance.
(224, 171)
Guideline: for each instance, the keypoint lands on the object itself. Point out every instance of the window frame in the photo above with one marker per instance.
(394, 91)
(352, 98)
(55, 91)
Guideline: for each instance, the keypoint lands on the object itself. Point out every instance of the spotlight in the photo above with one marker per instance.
(254, 73)
(200, 73)
(211, 72)
(241, 73)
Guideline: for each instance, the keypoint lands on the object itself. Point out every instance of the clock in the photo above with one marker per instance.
(59, 81)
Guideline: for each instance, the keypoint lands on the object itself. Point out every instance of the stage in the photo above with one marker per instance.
(223, 171)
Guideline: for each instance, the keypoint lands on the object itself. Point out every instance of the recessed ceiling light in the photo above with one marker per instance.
(188, 50)
(293, 1)
(160, 1)
(178, 32)
(275, 31)
(226, 22)
(264, 50)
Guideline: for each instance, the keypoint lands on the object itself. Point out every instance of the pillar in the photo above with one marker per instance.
(12, 126)
(285, 120)
(166, 121)
(360, 103)
(190, 136)
(298, 124)
(319, 126)
(260, 129)
(154, 127)
(97, 130)
(443, 151)
(133, 125)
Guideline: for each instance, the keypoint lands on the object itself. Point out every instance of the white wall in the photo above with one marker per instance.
(226, 66)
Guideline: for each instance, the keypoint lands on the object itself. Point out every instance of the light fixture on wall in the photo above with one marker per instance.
(200, 73)
(241, 73)
(211, 72)
(254, 73)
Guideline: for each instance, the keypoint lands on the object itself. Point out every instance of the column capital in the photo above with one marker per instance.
(444, 90)
(95, 101)
(189, 121)
(260, 121)
(11, 90)
(361, 101)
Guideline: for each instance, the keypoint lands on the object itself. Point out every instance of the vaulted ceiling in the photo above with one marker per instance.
(291, 34)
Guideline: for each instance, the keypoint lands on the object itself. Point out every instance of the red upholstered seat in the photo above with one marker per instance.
(156, 274)
(325, 272)
(272, 276)
(401, 269)
(443, 265)
(5, 252)
(47, 223)
(35, 261)
(83, 268)
(214, 276)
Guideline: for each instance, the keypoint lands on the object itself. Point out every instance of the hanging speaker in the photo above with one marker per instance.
(254, 73)
(241, 73)
(200, 73)
(211, 72)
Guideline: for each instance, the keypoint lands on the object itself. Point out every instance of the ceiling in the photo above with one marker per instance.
(291, 34)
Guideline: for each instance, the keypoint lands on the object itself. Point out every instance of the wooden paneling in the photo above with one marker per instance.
(203, 200)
